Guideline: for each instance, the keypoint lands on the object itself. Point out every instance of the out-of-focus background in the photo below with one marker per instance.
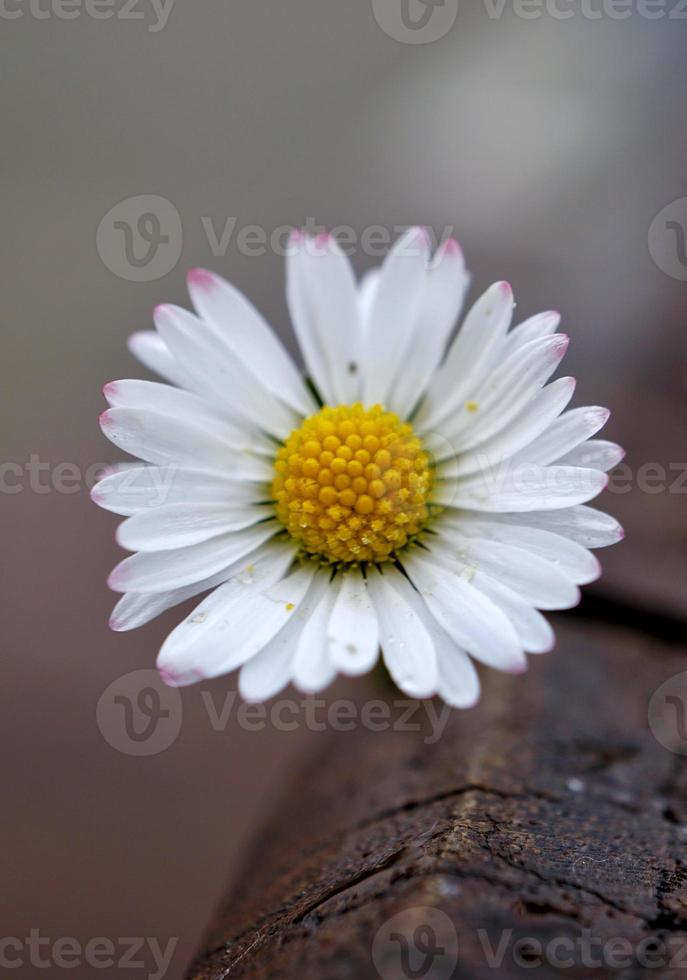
(550, 139)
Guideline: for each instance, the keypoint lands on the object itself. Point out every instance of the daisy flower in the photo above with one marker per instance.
(414, 492)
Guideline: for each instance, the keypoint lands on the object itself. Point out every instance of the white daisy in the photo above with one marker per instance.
(419, 494)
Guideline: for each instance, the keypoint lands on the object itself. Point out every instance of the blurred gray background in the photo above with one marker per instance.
(547, 145)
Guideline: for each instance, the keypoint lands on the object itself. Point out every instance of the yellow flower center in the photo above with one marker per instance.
(352, 484)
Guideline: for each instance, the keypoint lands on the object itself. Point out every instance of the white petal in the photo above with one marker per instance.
(575, 561)
(406, 643)
(149, 348)
(586, 525)
(149, 396)
(521, 488)
(470, 356)
(353, 630)
(138, 488)
(229, 627)
(312, 668)
(270, 670)
(597, 454)
(469, 617)
(395, 314)
(165, 400)
(165, 441)
(184, 524)
(541, 325)
(508, 391)
(323, 300)
(160, 571)
(366, 294)
(308, 331)
(249, 336)
(534, 631)
(546, 406)
(458, 682)
(444, 293)
(566, 433)
(535, 579)
(136, 609)
(212, 364)
(457, 679)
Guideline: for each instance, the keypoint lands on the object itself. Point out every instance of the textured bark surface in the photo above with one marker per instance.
(549, 811)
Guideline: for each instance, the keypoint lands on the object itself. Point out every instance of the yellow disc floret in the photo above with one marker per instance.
(352, 484)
